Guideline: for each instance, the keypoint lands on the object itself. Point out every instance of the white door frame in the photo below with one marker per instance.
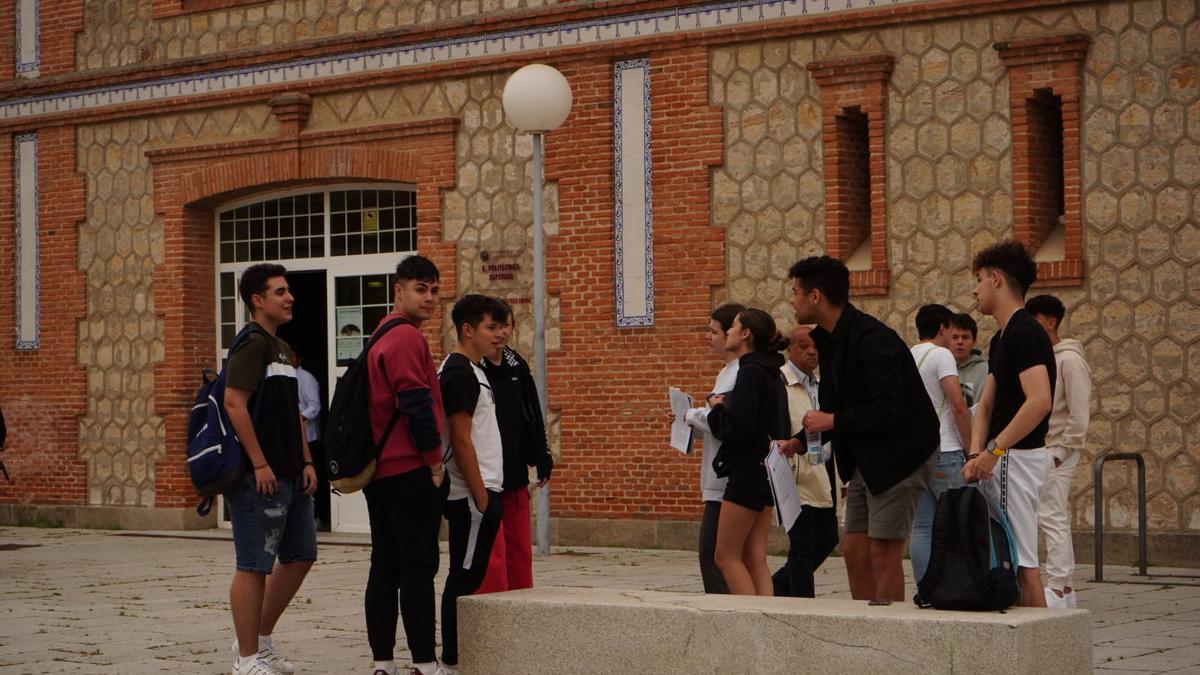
(347, 512)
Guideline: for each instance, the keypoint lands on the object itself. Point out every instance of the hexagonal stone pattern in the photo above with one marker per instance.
(124, 32)
(120, 339)
(949, 193)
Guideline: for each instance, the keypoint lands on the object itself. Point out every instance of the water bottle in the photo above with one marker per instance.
(813, 441)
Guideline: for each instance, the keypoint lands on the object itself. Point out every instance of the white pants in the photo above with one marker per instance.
(1054, 519)
(1014, 487)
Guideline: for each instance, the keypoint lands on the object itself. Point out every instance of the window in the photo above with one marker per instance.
(1044, 89)
(361, 302)
(854, 102)
(319, 229)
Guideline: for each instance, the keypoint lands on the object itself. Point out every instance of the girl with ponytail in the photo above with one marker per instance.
(746, 422)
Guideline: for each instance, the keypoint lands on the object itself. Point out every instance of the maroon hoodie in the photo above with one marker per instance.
(402, 376)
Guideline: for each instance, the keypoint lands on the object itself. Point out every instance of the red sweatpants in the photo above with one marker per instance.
(511, 564)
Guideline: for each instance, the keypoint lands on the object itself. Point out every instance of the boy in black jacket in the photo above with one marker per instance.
(523, 436)
(884, 428)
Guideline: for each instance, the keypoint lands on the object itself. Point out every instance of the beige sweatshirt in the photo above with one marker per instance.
(1072, 400)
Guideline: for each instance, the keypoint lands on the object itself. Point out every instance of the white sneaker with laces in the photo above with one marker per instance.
(272, 657)
(254, 665)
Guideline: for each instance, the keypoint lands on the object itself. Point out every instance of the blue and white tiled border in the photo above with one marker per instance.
(632, 181)
(499, 43)
(26, 270)
(28, 38)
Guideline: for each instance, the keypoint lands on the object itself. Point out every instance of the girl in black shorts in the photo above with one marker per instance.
(746, 421)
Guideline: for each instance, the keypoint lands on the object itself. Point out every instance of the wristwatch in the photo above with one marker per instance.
(995, 449)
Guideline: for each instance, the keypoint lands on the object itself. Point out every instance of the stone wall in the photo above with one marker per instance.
(127, 32)
(949, 190)
(120, 251)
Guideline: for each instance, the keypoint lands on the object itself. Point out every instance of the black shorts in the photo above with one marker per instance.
(748, 487)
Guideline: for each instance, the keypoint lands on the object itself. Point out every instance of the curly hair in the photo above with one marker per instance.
(1011, 259)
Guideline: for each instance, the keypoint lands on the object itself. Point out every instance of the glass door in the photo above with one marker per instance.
(360, 298)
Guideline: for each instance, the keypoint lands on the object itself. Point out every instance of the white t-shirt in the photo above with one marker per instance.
(935, 364)
(460, 394)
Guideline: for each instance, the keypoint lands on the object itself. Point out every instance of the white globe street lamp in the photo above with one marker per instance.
(537, 99)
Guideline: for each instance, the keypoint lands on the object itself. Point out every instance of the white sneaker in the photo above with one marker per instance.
(1053, 601)
(254, 665)
(439, 669)
(272, 657)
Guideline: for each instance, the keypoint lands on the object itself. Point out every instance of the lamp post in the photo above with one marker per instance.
(537, 99)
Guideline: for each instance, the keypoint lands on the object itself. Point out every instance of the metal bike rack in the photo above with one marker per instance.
(1099, 504)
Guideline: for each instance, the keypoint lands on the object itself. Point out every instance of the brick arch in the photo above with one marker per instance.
(207, 186)
(189, 182)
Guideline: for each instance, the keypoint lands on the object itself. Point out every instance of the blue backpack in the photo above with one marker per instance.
(214, 454)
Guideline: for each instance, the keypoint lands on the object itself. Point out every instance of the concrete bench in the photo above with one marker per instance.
(587, 630)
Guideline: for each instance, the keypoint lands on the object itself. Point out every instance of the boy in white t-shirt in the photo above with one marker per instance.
(474, 458)
(939, 372)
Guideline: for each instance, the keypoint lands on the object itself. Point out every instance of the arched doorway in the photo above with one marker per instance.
(340, 244)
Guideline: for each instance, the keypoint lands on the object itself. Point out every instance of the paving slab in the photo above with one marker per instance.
(97, 601)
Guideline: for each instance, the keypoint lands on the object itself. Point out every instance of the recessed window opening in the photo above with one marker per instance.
(1047, 207)
(854, 176)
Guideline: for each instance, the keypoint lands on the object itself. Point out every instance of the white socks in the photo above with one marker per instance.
(429, 668)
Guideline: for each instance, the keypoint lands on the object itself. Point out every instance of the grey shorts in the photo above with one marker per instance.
(889, 514)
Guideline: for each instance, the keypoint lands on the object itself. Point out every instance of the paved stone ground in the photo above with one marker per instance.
(79, 601)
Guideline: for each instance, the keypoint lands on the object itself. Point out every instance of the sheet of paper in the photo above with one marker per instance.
(681, 433)
(783, 486)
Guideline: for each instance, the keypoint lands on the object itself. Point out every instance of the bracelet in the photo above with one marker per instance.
(260, 466)
(972, 456)
(308, 464)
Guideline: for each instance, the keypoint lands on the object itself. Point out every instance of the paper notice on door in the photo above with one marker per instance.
(681, 432)
(783, 487)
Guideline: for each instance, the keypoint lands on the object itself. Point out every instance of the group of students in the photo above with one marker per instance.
(905, 424)
(455, 442)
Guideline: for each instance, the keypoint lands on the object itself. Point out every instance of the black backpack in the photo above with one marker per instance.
(971, 558)
(350, 447)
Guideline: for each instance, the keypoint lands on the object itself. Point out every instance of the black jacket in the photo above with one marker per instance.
(884, 424)
(753, 414)
(519, 415)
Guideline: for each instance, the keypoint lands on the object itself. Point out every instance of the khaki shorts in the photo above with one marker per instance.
(889, 514)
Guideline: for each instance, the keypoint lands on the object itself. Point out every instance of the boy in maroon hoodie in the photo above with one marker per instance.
(405, 499)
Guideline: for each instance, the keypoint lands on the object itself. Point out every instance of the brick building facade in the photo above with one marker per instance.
(900, 135)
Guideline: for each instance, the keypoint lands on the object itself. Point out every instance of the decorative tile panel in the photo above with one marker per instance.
(25, 270)
(632, 180)
(28, 42)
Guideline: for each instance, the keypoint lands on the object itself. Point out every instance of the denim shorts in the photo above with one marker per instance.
(281, 525)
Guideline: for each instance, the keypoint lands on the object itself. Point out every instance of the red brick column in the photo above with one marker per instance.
(1044, 73)
(190, 183)
(43, 391)
(615, 461)
(854, 91)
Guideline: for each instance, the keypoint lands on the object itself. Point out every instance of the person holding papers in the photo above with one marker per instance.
(712, 488)
(746, 421)
(814, 535)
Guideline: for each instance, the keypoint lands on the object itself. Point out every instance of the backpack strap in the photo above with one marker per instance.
(242, 338)
(941, 405)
